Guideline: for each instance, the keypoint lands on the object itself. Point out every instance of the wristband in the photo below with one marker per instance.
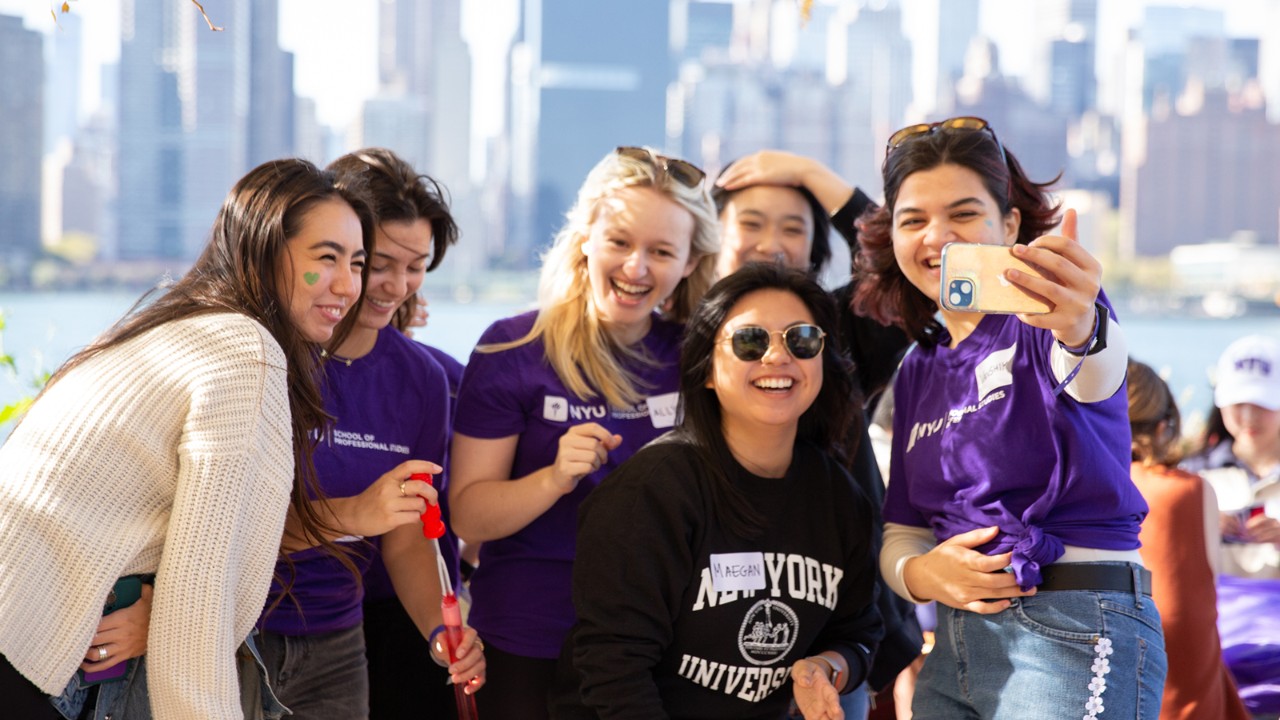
(836, 673)
(431, 645)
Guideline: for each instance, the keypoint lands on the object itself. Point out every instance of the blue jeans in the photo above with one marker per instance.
(127, 698)
(1063, 654)
(321, 677)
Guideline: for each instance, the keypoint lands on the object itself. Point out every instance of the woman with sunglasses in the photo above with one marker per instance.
(727, 567)
(553, 400)
(1009, 501)
(779, 207)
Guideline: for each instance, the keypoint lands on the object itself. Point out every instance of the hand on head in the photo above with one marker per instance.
(1073, 285)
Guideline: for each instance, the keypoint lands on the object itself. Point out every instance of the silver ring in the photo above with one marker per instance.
(102, 653)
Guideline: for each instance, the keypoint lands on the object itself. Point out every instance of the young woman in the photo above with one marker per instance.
(169, 449)
(553, 400)
(773, 206)
(390, 404)
(728, 566)
(1009, 501)
(1181, 547)
(1243, 463)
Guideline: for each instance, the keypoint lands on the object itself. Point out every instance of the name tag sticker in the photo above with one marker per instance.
(737, 571)
(662, 409)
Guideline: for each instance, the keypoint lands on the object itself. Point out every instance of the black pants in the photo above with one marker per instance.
(404, 682)
(21, 698)
(515, 687)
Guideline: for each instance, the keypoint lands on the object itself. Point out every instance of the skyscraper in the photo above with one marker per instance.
(271, 98)
(185, 97)
(21, 133)
(587, 76)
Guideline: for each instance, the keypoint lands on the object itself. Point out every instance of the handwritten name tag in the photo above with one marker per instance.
(662, 409)
(737, 571)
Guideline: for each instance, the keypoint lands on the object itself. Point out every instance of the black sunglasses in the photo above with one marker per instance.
(804, 341)
(964, 124)
(685, 172)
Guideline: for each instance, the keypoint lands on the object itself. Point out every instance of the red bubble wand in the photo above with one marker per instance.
(433, 530)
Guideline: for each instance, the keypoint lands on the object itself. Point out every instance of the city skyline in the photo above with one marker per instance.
(340, 81)
(709, 80)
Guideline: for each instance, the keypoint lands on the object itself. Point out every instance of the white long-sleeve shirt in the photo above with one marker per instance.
(170, 454)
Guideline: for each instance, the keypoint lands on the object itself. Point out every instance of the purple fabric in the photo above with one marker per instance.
(521, 590)
(979, 439)
(1249, 623)
(389, 406)
(377, 583)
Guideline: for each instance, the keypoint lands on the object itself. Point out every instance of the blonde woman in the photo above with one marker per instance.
(552, 400)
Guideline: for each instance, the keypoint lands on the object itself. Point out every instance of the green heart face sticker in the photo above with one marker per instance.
(311, 278)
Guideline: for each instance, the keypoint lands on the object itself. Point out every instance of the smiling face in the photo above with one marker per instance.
(319, 273)
(765, 223)
(638, 249)
(396, 270)
(1253, 426)
(770, 394)
(947, 203)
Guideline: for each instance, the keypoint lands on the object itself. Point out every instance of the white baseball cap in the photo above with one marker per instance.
(1249, 372)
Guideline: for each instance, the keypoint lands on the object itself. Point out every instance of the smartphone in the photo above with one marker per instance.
(126, 591)
(973, 280)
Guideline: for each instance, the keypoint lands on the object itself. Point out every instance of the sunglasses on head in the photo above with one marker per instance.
(961, 124)
(684, 172)
(804, 341)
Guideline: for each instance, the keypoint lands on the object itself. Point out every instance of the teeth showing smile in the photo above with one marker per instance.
(933, 262)
(774, 383)
(630, 289)
(381, 305)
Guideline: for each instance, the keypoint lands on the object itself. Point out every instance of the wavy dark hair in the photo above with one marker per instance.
(1153, 417)
(820, 249)
(883, 292)
(401, 194)
(239, 272)
(824, 424)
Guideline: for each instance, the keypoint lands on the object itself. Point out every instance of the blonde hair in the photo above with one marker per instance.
(584, 356)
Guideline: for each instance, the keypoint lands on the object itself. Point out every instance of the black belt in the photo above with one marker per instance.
(1094, 576)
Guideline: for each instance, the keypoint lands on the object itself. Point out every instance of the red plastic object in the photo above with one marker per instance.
(453, 638)
(432, 525)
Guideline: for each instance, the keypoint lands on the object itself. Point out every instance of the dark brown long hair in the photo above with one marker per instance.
(823, 424)
(883, 292)
(401, 194)
(238, 272)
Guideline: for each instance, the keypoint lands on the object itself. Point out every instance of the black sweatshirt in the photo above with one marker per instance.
(656, 639)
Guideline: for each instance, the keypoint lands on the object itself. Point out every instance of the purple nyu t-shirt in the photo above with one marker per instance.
(979, 439)
(389, 406)
(521, 590)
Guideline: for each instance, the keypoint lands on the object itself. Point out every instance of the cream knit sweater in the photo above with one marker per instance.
(170, 454)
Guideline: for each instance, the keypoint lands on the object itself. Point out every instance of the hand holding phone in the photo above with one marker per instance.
(973, 280)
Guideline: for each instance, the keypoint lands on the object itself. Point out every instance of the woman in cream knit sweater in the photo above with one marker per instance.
(172, 447)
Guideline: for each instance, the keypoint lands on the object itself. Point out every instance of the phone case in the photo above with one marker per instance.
(124, 593)
(973, 281)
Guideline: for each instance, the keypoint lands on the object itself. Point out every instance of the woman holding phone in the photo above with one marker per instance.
(1009, 500)
(170, 449)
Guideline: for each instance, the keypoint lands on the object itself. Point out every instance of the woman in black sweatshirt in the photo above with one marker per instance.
(726, 568)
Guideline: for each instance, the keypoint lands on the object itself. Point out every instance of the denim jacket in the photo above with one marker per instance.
(126, 699)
